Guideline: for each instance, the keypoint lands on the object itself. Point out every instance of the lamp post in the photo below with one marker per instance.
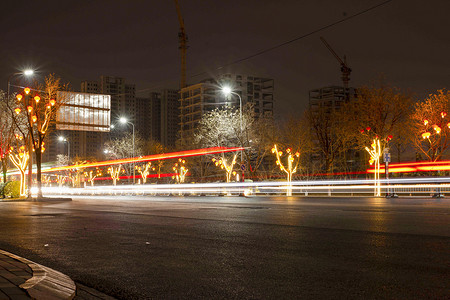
(63, 139)
(25, 72)
(124, 120)
(30, 142)
(226, 90)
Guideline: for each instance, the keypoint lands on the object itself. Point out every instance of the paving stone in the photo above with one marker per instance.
(6, 284)
(3, 296)
(13, 291)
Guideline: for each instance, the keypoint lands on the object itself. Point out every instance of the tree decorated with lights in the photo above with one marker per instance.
(77, 171)
(60, 179)
(114, 172)
(376, 149)
(226, 165)
(38, 107)
(431, 125)
(292, 164)
(91, 175)
(19, 156)
(144, 170)
(375, 111)
(180, 170)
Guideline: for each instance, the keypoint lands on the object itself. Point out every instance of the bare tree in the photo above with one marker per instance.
(225, 127)
(122, 147)
(6, 131)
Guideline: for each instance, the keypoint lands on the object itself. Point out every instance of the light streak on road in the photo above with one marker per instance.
(407, 185)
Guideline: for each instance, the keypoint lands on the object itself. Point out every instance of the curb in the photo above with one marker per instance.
(46, 283)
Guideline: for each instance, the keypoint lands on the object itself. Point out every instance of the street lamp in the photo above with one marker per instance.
(227, 91)
(63, 139)
(124, 120)
(27, 72)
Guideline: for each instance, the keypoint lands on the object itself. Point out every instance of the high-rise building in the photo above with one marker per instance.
(164, 116)
(123, 96)
(198, 99)
(331, 97)
(322, 103)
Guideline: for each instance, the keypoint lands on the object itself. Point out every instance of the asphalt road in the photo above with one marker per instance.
(234, 247)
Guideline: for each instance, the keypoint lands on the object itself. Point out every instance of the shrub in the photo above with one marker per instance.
(12, 189)
(2, 187)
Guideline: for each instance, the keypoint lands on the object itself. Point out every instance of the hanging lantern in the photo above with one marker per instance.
(425, 122)
(34, 119)
(19, 97)
(443, 114)
(26, 90)
(426, 135)
(37, 98)
(29, 108)
(52, 102)
(17, 110)
(437, 129)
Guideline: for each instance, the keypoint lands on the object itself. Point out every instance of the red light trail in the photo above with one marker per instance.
(179, 154)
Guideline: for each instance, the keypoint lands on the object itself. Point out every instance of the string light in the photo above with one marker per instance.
(290, 169)
(180, 170)
(115, 173)
(375, 154)
(227, 166)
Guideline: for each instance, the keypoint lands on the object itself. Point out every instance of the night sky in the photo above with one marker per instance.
(408, 41)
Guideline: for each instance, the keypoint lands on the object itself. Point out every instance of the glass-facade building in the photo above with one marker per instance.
(83, 112)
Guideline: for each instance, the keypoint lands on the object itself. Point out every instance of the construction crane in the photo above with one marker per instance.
(345, 70)
(182, 36)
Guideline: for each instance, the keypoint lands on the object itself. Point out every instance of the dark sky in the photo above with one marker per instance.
(406, 40)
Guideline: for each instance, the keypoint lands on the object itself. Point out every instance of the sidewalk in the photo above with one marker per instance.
(13, 273)
(24, 279)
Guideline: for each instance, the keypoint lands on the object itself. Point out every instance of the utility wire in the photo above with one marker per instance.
(290, 41)
(298, 38)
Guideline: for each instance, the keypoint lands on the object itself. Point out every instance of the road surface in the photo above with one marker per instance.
(235, 247)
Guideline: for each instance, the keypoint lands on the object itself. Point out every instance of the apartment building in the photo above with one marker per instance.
(203, 97)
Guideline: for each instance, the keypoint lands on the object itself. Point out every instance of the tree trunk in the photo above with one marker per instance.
(5, 168)
(4, 165)
(38, 154)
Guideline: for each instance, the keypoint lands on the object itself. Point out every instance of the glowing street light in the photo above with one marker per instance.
(64, 140)
(227, 91)
(27, 73)
(124, 121)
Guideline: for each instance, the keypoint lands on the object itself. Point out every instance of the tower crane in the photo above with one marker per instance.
(182, 36)
(345, 70)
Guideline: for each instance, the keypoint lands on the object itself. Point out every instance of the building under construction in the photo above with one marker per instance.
(205, 96)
